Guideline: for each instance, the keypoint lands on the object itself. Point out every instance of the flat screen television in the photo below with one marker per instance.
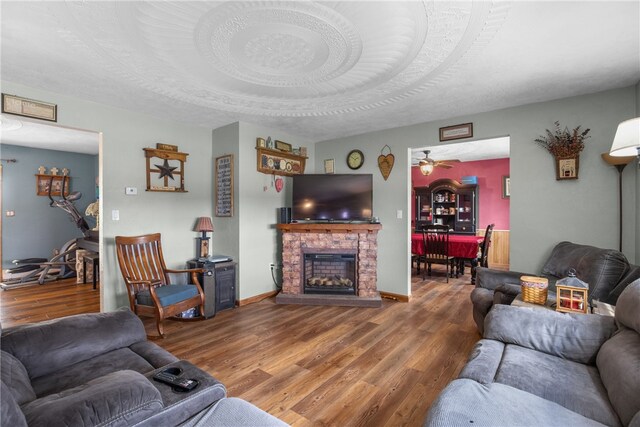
(332, 198)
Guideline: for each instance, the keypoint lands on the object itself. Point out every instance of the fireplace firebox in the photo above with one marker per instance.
(326, 273)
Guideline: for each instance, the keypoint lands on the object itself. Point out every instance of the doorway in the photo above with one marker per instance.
(49, 183)
(473, 177)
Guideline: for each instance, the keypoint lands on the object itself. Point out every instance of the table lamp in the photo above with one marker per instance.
(627, 139)
(203, 225)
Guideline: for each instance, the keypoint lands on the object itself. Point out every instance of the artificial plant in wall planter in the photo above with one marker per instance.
(565, 145)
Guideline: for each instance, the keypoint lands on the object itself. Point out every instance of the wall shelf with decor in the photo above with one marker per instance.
(276, 162)
(44, 181)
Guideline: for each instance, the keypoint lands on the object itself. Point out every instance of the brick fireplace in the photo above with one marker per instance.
(317, 262)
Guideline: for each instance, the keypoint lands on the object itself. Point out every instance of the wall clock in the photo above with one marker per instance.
(355, 159)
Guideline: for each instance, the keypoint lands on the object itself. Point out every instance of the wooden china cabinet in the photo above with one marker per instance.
(447, 202)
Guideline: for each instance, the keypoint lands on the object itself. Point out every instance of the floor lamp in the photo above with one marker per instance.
(619, 163)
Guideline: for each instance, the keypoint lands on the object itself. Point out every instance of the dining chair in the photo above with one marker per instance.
(483, 259)
(436, 244)
(149, 286)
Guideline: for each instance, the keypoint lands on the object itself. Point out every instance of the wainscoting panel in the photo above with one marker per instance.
(499, 250)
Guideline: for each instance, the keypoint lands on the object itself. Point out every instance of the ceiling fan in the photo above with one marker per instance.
(428, 164)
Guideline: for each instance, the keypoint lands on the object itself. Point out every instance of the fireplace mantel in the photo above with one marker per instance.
(359, 239)
(330, 228)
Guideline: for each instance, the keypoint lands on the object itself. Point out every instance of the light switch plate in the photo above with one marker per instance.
(115, 215)
(399, 214)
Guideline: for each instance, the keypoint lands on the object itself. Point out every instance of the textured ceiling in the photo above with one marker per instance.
(320, 69)
(35, 134)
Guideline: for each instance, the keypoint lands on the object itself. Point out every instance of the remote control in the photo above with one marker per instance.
(173, 380)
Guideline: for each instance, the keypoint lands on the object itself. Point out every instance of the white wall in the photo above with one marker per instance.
(543, 211)
(250, 236)
(122, 164)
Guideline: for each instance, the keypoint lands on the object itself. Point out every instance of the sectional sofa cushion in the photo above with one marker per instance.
(468, 403)
(570, 336)
(121, 398)
(602, 269)
(10, 413)
(88, 370)
(64, 342)
(15, 377)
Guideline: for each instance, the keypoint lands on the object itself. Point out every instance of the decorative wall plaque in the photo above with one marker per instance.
(166, 172)
(19, 106)
(464, 130)
(224, 185)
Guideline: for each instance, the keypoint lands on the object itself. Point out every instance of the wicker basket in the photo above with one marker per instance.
(534, 289)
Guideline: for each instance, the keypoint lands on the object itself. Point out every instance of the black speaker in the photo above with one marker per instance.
(209, 289)
(285, 215)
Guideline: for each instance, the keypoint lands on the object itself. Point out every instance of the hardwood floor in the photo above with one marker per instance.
(310, 365)
(37, 303)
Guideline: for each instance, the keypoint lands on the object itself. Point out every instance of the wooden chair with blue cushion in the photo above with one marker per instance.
(148, 280)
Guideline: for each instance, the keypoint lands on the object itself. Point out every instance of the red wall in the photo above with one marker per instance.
(493, 208)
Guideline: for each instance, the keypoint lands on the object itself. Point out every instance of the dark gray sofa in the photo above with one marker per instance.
(607, 272)
(537, 367)
(96, 369)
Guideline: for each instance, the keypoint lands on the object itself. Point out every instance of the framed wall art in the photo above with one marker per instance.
(449, 133)
(506, 187)
(12, 104)
(165, 170)
(329, 166)
(224, 185)
(567, 167)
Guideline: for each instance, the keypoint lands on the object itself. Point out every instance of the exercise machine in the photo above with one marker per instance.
(31, 271)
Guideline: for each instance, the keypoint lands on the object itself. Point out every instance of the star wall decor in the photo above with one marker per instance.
(158, 177)
(166, 170)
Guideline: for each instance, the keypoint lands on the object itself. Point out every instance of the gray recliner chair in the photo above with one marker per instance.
(607, 272)
(538, 367)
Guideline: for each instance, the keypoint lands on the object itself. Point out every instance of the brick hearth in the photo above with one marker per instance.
(358, 239)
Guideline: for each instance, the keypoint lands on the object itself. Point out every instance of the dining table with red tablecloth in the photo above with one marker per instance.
(461, 246)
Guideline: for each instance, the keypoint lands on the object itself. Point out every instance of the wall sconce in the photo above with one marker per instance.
(203, 225)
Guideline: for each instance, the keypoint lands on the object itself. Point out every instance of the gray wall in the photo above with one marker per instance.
(543, 211)
(122, 164)
(250, 236)
(637, 192)
(37, 229)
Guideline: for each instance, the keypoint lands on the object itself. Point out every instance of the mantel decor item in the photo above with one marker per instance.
(449, 133)
(565, 146)
(203, 225)
(329, 166)
(283, 146)
(158, 177)
(12, 104)
(385, 162)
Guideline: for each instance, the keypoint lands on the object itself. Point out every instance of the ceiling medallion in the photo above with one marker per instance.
(282, 59)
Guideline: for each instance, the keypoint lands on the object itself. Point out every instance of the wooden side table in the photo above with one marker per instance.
(549, 305)
(94, 258)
